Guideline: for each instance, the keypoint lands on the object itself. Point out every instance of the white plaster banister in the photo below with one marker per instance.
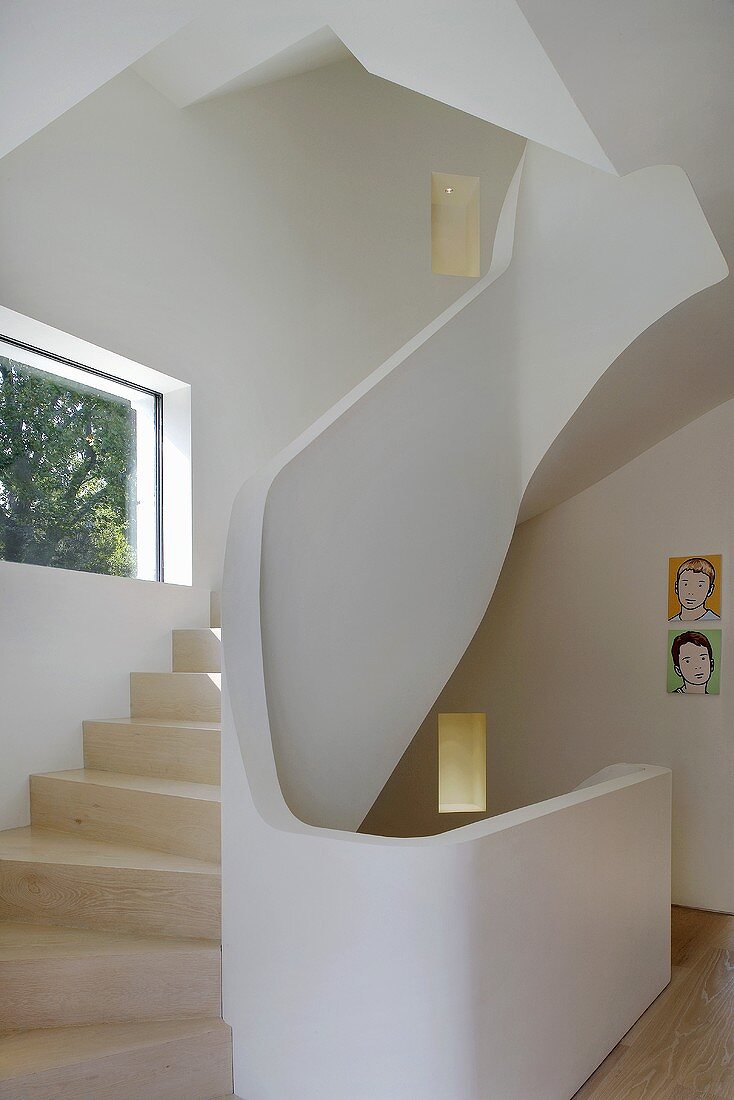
(507, 958)
(361, 560)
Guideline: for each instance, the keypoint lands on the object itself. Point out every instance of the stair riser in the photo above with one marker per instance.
(196, 651)
(89, 989)
(180, 695)
(168, 823)
(165, 903)
(169, 753)
(194, 1068)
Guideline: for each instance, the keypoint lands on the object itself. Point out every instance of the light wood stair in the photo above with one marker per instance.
(110, 956)
(179, 695)
(168, 1060)
(51, 877)
(197, 650)
(168, 748)
(168, 814)
(57, 977)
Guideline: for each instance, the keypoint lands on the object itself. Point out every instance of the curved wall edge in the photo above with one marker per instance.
(241, 602)
(376, 539)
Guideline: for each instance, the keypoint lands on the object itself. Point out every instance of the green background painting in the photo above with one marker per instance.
(714, 636)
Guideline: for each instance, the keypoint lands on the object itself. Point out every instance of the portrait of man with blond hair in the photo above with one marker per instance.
(695, 583)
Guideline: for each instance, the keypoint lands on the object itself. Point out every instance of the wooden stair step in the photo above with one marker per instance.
(163, 1060)
(197, 650)
(167, 814)
(59, 878)
(58, 977)
(170, 748)
(176, 695)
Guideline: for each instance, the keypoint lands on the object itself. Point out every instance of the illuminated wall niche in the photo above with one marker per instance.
(462, 763)
(454, 224)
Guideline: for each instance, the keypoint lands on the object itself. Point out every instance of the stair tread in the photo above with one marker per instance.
(173, 723)
(26, 1052)
(34, 844)
(215, 677)
(215, 630)
(176, 788)
(20, 941)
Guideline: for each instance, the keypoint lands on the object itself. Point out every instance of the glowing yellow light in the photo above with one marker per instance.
(455, 224)
(462, 763)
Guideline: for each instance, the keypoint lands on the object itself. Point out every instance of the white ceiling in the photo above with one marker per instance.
(655, 79)
(619, 85)
(480, 57)
(54, 53)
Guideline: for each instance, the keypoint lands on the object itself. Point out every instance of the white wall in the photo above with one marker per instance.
(386, 524)
(271, 247)
(68, 642)
(570, 660)
(504, 960)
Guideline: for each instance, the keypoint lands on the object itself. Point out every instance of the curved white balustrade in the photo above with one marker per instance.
(504, 959)
(362, 559)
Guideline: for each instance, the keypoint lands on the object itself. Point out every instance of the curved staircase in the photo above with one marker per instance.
(110, 949)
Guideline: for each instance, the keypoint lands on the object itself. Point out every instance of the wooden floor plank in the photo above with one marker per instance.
(682, 1048)
(695, 931)
(691, 1046)
(660, 1007)
(589, 1091)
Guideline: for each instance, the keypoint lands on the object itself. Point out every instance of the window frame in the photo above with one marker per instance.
(157, 428)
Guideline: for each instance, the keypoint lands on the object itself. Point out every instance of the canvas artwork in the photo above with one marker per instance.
(694, 589)
(694, 662)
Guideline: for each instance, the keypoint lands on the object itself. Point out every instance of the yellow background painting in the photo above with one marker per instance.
(714, 600)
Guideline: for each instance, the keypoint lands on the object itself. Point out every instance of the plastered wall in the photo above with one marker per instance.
(570, 660)
(270, 247)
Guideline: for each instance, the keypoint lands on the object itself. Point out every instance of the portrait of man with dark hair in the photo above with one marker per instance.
(693, 661)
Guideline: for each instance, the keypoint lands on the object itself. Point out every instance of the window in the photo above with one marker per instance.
(80, 467)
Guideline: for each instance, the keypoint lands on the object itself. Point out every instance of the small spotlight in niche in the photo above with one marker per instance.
(455, 224)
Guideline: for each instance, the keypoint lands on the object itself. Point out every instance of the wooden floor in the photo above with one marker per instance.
(683, 1046)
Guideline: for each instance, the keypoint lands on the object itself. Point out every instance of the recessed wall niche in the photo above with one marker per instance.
(462, 763)
(454, 224)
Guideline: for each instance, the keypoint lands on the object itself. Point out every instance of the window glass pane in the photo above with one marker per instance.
(78, 469)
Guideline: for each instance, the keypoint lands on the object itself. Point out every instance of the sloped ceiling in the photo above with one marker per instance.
(54, 53)
(656, 83)
(480, 57)
(620, 86)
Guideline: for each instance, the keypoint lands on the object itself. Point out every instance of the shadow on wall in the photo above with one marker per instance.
(580, 679)
(384, 528)
(408, 804)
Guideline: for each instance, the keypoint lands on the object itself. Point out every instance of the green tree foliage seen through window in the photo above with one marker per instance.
(67, 473)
